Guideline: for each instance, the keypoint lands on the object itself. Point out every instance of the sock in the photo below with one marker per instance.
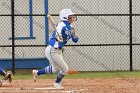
(59, 78)
(2, 72)
(45, 70)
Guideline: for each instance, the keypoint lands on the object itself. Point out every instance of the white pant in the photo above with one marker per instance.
(56, 59)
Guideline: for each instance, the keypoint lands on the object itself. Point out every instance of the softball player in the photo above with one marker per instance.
(7, 75)
(53, 51)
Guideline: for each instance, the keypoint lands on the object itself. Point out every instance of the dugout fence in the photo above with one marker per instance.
(108, 34)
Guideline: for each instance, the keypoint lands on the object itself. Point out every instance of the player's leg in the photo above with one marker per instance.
(48, 69)
(63, 69)
(61, 65)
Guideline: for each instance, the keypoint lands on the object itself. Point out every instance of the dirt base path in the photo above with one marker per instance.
(97, 85)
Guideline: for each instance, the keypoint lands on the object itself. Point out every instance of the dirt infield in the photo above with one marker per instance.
(97, 85)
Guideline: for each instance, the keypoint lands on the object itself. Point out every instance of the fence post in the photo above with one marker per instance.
(130, 29)
(31, 18)
(13, 36)
(46, 22)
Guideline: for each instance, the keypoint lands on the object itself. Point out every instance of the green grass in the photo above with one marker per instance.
(127, 74)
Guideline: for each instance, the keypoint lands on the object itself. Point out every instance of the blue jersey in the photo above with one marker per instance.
(64, 29)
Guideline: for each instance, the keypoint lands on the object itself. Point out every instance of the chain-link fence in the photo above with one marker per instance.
(108, 33)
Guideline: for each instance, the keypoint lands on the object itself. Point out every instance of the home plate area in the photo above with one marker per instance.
(41, 86)
(96, 85)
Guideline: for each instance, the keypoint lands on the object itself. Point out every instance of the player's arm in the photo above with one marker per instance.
(59, 37)
(74, 35)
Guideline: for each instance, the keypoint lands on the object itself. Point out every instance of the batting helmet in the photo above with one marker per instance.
(64, 14)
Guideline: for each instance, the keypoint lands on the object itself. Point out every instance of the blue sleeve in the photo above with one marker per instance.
(75, 40)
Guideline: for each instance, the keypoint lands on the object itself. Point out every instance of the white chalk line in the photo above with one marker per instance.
(49, 89)
(78, 90)
(5, 88)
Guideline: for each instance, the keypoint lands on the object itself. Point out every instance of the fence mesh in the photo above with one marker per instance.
(103, 27)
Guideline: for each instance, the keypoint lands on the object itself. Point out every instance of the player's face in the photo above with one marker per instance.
(72, 18)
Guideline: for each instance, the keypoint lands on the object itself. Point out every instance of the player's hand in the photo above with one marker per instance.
(59, 38)
(73, 30)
